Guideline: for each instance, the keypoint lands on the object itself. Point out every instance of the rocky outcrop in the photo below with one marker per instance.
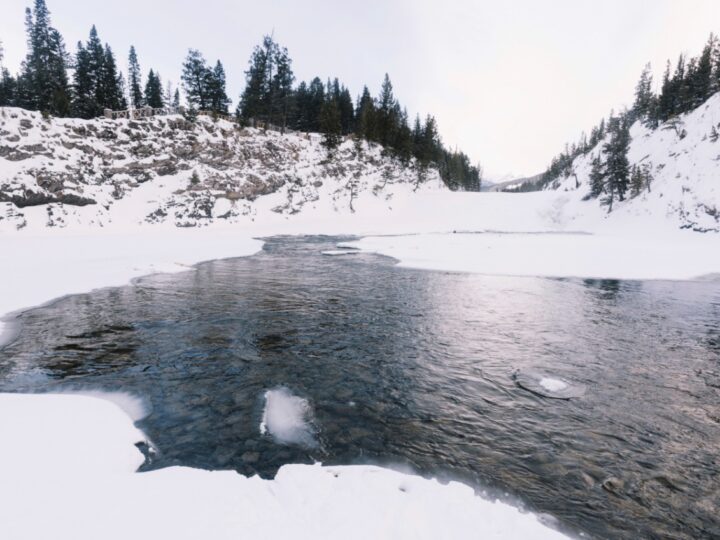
(174, 169)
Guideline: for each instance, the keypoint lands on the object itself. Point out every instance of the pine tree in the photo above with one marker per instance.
(153, 91)
(702, 82)
(44, 75)
(134, 79)
(347, 111)
(330, 125)
(644, 107)
(84, 103)
(385, 113)
(666, 99)
(617, 165)
(316, 100)
(111, 83)
(427, 152)
(219, 101)
(96, 61)
(636, 181)
(176, 99)
(282, 83)
(365, 116)
(597, 177)
(195, 81)
(7, 83)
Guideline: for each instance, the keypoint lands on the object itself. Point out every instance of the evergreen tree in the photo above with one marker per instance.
(330, 124)
(84, 104)
(97, 84)
(298, 115)
(597, 177)
(427, 151)
(153, 91)
(316, 100)
(403, 143)
(111, 83)
(282, 86)
(702, 83)
(251, 103)
(365, 116)
(636, 181)
(617, 165)
(347, 111)
(219, 101)
(134, 79)
(195, 81)
(386, 113)
(44, 75)
(7, 83)
(176, 99)
(665, 101)
(644, 107)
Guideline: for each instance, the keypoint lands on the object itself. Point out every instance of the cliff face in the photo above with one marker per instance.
(66, 172)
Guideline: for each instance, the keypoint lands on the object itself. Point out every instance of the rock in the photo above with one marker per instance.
(613, 484)
(250, 457)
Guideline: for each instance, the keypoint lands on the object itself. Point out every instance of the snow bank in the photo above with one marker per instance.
(67, 466)
(674, 255)
(36, 268)
(682, 156)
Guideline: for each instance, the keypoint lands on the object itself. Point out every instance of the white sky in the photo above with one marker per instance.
(510, 82)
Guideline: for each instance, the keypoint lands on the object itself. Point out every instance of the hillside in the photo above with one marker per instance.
(69, 172)
(683, 156)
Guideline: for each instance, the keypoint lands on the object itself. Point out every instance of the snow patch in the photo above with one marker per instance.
(552, 385)
(288, 418)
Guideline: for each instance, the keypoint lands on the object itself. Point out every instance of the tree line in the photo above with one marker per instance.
(96, 84)
(685, 87)
(270, 97)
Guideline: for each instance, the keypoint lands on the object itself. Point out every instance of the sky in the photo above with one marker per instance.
(509, 82)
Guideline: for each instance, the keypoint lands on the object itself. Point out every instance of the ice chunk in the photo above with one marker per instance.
(288, 418)
(552, 385)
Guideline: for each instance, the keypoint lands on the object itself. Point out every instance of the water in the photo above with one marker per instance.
(594, 401)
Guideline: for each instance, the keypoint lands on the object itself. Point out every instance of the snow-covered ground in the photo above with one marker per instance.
(67, 467)
(71, 459)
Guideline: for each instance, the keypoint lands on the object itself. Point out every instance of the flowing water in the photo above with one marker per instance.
(597, 402)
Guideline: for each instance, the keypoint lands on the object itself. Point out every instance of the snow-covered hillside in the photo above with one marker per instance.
(65, 172)
(684, 160)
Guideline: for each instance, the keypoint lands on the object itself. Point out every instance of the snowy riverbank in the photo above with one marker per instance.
(72, 458)
(68, 472)
(58, 441)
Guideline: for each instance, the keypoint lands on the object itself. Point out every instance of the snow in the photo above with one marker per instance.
(62, 453)
(288, 418)
(676, 255)
(552, 385)
(39, 267)
(67, 466)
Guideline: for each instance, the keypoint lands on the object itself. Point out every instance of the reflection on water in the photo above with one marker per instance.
(415, 369)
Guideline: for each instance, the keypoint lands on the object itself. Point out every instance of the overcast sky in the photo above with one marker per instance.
(509, 81)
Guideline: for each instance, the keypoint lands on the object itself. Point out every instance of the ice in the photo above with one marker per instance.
(548, 386)
(130, 404)
(339, 252)
(288, 418)
(552, 385)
